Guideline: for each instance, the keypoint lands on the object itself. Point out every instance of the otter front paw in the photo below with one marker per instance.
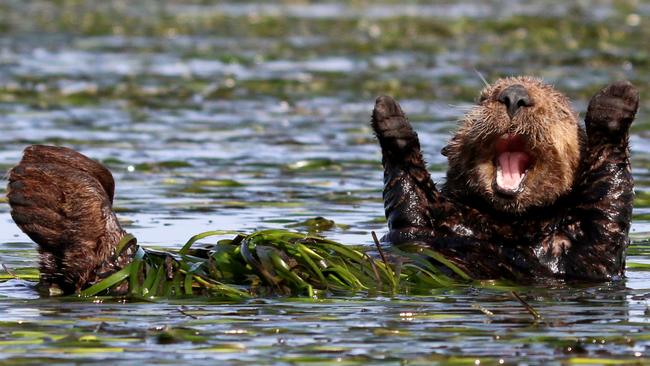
(391, 125)
(612, 110)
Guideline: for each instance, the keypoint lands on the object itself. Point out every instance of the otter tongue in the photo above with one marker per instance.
(513, 165)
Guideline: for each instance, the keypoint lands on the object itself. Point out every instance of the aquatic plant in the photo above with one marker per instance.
(279, 262)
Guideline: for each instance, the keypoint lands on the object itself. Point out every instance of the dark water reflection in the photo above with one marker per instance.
(245, 116)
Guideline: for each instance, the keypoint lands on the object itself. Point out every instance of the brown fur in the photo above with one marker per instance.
(63, 201)
(553, 136)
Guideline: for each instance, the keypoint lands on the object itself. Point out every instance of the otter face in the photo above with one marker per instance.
(518, 148)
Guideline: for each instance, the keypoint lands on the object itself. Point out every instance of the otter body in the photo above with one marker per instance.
(530, 193)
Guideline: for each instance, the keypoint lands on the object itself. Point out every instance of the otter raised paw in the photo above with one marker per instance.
(528, 189)
(63, 201)
(611, 112)
(409, 197)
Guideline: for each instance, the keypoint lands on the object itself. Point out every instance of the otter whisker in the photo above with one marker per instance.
(480, 76)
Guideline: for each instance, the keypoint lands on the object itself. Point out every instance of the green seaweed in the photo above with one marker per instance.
(277, 262)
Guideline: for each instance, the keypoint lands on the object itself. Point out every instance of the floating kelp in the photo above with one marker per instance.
(277, 262)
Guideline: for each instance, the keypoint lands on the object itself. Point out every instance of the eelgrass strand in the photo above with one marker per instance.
(278, 262)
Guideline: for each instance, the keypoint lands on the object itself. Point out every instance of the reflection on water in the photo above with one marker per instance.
(244, 116)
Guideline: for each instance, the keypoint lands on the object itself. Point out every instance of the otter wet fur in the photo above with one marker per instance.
(63, 201)
(530, 193)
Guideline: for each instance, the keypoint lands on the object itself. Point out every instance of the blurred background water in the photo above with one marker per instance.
(246, 115)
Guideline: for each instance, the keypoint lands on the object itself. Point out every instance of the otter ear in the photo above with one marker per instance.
(452, 146)
(445, 151)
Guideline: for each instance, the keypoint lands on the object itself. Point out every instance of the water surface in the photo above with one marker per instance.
(245, 116)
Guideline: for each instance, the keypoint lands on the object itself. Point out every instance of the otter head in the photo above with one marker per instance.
(518, 148)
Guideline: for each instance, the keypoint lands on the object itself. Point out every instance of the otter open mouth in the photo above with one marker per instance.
(512, 161)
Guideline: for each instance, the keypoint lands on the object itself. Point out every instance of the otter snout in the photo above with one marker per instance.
(515, 97)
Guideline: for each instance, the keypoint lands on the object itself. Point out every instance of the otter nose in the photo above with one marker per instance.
(515, 97)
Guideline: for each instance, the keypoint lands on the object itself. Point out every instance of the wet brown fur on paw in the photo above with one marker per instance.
(63, 201)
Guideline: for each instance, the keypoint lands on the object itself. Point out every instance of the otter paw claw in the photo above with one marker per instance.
(612, 109)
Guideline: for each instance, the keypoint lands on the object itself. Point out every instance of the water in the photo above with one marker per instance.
(272, 102)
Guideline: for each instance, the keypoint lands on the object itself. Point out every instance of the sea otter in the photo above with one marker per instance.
(530, 193)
